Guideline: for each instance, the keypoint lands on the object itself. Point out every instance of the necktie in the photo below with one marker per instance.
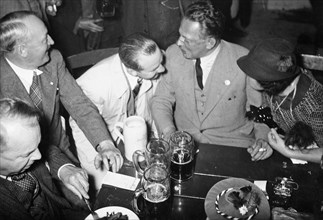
(25, 181)
(137, 88)
(199, 73)
(35, 93)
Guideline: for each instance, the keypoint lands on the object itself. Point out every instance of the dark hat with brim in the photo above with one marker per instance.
(270, 60)
(217, 208)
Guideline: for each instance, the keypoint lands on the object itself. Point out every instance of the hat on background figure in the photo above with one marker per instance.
(270, 60)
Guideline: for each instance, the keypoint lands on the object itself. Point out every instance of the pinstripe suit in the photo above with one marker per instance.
(12, 206)
(227, 92)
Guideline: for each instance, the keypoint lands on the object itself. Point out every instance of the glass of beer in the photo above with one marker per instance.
(157, 152)
(155, 187)
(182, 166)
(106, 8)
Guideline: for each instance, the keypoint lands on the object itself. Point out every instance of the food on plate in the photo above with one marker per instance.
(114, 216)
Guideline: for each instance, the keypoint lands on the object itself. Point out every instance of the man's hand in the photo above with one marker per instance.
(109, 155)
(89, 24)
(260, 150)
(76, 180)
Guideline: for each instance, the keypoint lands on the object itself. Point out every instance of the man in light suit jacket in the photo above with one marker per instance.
(212, 108)
(109, 86)
(19, 155)
(27, 56)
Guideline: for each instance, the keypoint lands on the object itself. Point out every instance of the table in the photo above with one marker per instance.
(214, 163)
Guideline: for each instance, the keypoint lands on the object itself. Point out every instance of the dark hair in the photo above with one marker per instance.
(211, 19)
(13, 30)
(132, 46)
(12, 109)
(273, 88)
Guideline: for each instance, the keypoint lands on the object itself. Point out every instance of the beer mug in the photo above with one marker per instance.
(182, 147)
(134, 134)
(157, 152)
(155, 187)
(106, 8)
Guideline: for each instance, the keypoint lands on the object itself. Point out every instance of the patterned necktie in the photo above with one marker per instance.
(199, 73)
(137, 88)
(35, 93)
(25, 181)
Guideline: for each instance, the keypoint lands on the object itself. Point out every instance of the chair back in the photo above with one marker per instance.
(79, 63)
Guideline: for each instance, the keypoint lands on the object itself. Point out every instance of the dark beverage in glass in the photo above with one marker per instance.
(182, 165)
(106, 8)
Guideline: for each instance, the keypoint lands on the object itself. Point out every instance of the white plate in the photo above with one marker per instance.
(103, 212)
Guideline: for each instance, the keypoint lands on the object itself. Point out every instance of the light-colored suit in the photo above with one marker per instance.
(227, 94)
(108, 88)
(57, 86)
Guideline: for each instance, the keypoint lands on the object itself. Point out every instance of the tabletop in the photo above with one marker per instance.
(214, 163)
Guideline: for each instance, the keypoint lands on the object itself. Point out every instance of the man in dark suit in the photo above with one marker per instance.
(26, 187)
(31, 71)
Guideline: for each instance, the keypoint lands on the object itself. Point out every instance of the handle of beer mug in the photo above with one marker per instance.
(117, 128)
(135, 160)
(138, 192)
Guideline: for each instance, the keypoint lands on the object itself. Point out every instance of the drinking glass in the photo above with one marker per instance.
(182, 147)
(157, 152)
(106, 8)
(155, 187)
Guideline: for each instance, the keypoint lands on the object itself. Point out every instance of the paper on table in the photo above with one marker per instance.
(120, 181)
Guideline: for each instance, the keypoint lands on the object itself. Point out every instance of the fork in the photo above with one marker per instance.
(93, 213)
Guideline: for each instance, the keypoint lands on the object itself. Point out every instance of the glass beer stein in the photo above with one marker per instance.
(157, 152)
(283, 188)
(155, 187)
(182, 148)
(106, 8)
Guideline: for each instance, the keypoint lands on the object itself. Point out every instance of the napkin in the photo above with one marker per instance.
(121, 181)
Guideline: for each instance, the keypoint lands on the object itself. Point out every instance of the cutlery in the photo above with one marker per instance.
(93, 213)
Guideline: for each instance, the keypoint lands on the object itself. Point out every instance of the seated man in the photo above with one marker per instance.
(204, 92)
(26, 187)
(120, 86)
(31, 71)
(294, 97)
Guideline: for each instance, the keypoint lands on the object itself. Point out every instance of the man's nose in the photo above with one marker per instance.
(161, 69)
(36, 155)
(180, 41)
(50, 40)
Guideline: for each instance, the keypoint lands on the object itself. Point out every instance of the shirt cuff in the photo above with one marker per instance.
(58, 172)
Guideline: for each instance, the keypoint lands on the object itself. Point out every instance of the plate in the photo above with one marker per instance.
(209, 203)
(103, 212)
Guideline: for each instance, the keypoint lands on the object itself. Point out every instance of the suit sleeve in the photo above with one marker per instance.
(79, 106)
(163, 101)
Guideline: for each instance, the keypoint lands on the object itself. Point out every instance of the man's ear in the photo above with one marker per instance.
(132, 72)
(211, 42)
(22, 50)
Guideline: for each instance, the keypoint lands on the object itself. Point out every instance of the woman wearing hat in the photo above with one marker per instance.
(294, 97)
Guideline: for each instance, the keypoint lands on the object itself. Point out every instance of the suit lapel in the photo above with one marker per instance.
(187, 78)
(10, 80)
(219, 80)
(49, 87)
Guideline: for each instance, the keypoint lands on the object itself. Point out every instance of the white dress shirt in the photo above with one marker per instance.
(207, 63)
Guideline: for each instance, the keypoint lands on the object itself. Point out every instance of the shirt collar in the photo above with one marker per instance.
(211, 57)
(20, 70)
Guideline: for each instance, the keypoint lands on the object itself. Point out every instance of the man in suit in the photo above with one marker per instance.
(204, 92)
(31, 71)
(26, 187)
(110, 85)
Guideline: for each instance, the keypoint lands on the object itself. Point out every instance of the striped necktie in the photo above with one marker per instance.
(35, 93)
(137, 88)
(199, 73)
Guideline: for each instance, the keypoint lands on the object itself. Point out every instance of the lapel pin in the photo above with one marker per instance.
(51, 83)
(227, 82)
